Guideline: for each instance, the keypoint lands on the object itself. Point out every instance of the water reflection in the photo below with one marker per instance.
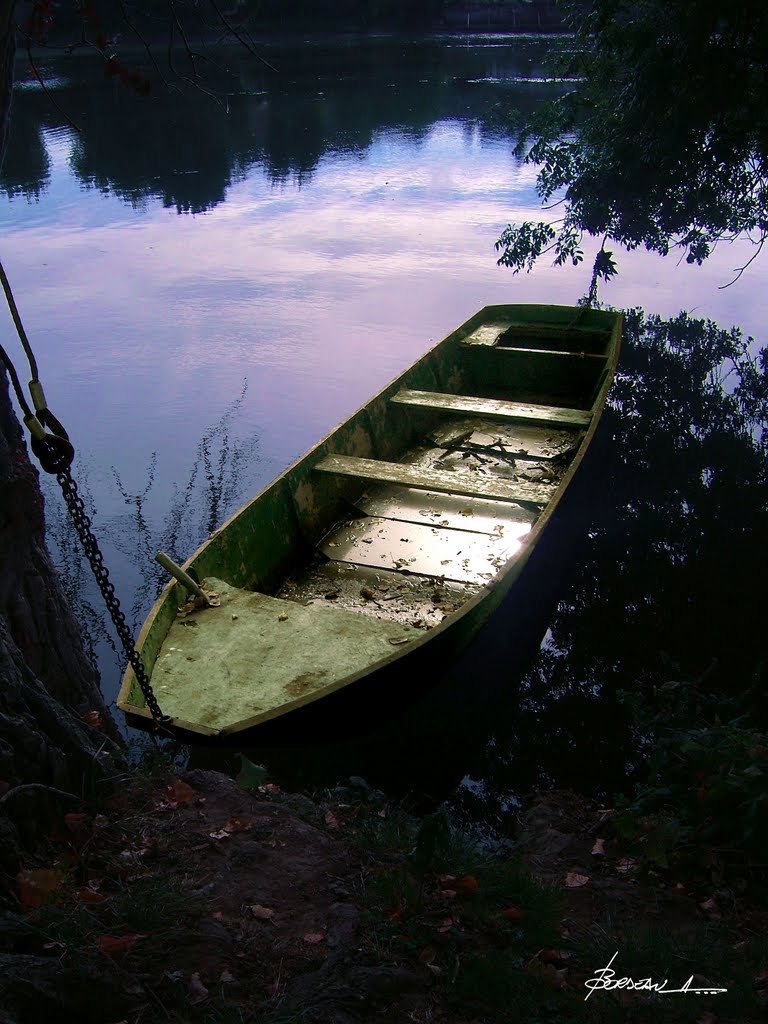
(188, 150)
(667, 584)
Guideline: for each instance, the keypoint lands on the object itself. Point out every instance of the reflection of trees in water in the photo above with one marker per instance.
(187, 151)
(25, 169)
(673, 561)
(212, 491)
(215, 486)
(74, 572)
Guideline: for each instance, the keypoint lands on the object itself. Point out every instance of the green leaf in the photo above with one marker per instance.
(432, 841)
(250, 774)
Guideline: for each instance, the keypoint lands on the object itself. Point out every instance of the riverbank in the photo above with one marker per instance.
(188, 898)
(110, 30)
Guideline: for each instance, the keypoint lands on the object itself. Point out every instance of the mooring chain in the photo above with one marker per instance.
(83, 524)
(51, 445)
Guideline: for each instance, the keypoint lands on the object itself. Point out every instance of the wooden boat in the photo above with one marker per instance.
(393, 541)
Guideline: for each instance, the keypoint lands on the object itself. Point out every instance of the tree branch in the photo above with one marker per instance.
(240, 38)
(27, 787)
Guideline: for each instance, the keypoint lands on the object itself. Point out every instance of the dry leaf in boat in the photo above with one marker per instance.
(282, 617)
(396, 640)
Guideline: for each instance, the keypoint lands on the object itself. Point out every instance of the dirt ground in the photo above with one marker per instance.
(192, 899)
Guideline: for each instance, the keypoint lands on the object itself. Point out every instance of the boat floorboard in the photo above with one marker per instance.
(406, 504)
(208, 672)
(408, 598)
(438, 551)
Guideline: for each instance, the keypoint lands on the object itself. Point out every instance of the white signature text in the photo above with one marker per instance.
(605, 979)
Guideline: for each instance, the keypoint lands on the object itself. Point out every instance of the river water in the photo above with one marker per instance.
(212, 282)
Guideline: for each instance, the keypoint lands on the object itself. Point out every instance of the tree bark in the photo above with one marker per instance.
(46, 678)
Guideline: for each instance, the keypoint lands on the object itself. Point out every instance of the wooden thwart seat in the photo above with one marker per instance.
(433, 480)
(469, 405)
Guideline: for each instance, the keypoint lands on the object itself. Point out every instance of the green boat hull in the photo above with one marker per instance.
(384, 550)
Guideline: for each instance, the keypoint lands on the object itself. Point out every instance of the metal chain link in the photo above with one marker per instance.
(83, 525)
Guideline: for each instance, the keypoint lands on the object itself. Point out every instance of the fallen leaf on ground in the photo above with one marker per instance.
(710, 908)
(466, 886)
(35, 887)
(90, 896)
(116, 945)
(546, 972)
(625, 865)
(512, 913)
(262, 913)
(230, 827)
(574, 880)
(549, 956)
(198, 993)
(179, 793)
(313, 938)
(598, 850)
(331, 820)
(76, 824)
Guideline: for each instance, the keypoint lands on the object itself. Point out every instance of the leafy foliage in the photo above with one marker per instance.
(703, 804)
(662, 142)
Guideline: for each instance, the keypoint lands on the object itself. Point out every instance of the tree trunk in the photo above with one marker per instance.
(46, 679)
